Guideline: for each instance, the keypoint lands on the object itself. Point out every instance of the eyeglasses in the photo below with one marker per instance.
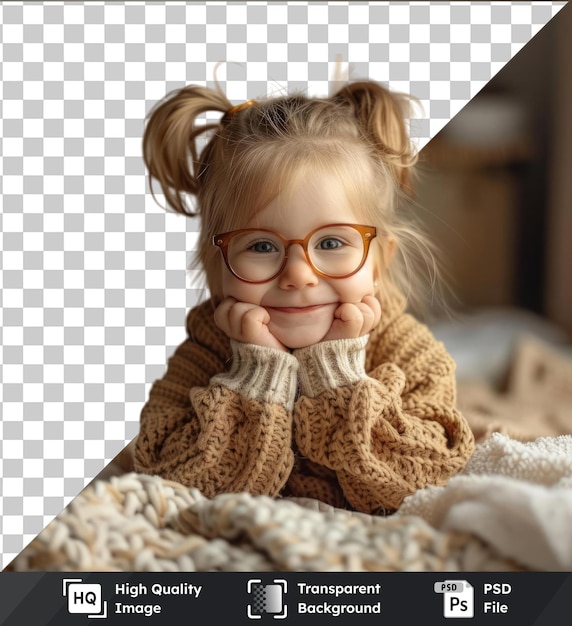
(259, 255)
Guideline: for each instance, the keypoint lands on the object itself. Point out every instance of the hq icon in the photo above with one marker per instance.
(84, 598)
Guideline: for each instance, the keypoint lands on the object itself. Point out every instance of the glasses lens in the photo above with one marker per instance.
(336, 250)
(255, 255)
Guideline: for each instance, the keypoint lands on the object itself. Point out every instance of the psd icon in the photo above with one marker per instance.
(458, 598)
(267, 599)
(84, 598)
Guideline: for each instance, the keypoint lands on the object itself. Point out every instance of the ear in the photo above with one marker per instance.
(389, 248)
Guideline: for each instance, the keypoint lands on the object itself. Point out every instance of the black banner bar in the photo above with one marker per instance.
(59, 599)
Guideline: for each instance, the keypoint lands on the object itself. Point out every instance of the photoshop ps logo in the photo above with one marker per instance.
(84, 598)
(267, 599)
(458, 598)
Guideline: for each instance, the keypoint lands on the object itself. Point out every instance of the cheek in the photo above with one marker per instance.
(354, 288)
(241, 291)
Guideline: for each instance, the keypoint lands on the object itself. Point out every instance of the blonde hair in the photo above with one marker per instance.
(256, 152)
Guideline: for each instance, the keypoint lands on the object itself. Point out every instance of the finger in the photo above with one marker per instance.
(345, 312)
(374, 304)
(236, 315)
(221, 314)
(228, 316)
(253, 321)
(256, 329)
(371, 311)
(350, 318)
(367, 318)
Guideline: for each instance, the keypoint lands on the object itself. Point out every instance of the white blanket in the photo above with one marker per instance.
(516, 496)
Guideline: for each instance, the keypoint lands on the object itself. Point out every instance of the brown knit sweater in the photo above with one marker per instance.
(358, 423)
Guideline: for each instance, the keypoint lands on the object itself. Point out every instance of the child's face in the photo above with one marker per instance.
(301, 303)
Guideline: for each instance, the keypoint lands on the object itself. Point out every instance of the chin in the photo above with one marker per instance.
(299, 338)
(301, 330)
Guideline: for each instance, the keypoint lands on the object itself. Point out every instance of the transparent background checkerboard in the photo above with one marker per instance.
(94, 286)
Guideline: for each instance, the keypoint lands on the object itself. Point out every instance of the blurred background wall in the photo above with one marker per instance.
(496, 185)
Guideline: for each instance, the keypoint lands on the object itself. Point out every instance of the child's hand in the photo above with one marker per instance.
(246, 322)
(353, 320)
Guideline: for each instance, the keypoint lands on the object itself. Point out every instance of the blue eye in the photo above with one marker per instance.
(330, 243)
(264, 247)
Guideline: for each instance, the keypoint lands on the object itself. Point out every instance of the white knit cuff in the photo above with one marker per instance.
(260, 373)
(331, 364)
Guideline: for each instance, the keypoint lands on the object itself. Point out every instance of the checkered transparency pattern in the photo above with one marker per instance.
(94, 286)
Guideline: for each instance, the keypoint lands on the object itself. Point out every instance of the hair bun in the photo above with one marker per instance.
(381, 115)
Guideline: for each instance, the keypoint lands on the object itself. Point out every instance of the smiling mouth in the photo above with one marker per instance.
(297, 309)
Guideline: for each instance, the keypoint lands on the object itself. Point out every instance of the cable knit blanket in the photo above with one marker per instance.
(143, 523)
(510, 509)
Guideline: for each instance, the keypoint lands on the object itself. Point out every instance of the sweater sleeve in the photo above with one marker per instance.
(384, 435)
(220, 431)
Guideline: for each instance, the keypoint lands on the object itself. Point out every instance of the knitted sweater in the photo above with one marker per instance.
(357, 423)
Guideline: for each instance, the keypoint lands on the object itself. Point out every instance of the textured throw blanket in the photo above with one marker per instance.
(515, 496)
(143, 523)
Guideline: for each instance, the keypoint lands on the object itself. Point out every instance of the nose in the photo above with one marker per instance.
(297, 272)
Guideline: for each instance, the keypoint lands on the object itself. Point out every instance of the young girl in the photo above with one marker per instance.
(302, 375)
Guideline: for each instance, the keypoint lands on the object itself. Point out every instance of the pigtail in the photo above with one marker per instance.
(170, 149)
(381, 115)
